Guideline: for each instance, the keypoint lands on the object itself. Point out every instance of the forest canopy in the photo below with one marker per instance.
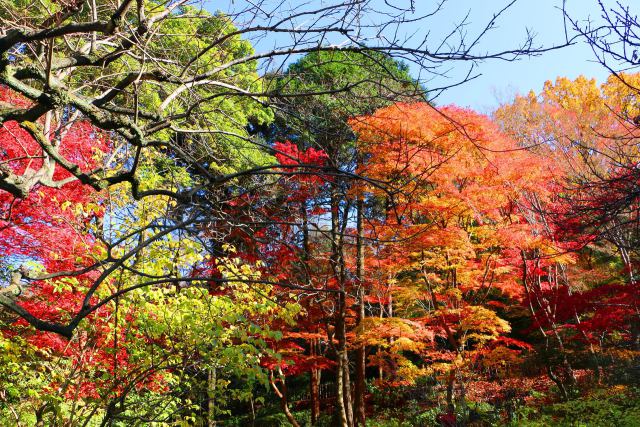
(261, 215)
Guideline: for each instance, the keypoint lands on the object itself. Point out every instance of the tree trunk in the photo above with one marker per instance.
(211, 401)
(282, 394)
(315, 386)
(451, 381)
(348, 404)
(314, 383)
(381, 316)
(558, 382)
(343, 383)
(361, 353)
(546, 311)
(253, 412)
(342, 420)
(337, 266)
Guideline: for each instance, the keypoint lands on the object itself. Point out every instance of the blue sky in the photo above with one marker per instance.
(499, 80)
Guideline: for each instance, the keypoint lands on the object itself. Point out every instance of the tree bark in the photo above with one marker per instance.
(451, 380)
(361, 353)
(348, 404)
(315, 386)
(282, 394)
(342, 420)
(211, 402)
(337, 266)
(314, 383)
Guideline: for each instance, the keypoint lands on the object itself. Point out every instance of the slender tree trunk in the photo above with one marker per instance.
(451, 381)
(549, 313)
(544, 308)
(211, 401)
(453, 342)
(282, 394)
(347, 388)
(558, 382)
(361, 352)
(561, 271)
(315, 386)
(343, 383)
(337, 264)
(342, 419)
(315, 395)
(314, 383)
(253, 412)
(380, 368)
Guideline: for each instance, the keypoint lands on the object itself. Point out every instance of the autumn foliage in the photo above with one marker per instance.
(486, 260)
